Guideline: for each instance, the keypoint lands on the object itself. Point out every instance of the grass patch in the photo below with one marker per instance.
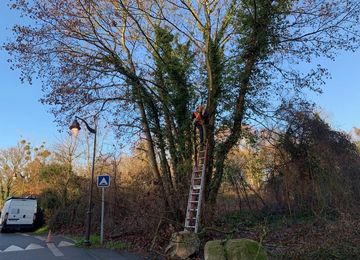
(41, 231)
(118, 245)
(95, 243)
(94, 240)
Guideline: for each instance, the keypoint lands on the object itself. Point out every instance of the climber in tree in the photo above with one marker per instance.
(198, 121)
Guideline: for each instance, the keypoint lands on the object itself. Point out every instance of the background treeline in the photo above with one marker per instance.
(303, 170)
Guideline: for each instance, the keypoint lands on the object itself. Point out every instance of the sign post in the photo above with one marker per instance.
(103, 182)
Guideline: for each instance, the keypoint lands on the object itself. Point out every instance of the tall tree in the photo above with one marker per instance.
(13, 163)
(144, 63)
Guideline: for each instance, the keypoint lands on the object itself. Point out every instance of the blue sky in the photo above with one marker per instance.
(341, 96)
(21, 114)
(23, 117)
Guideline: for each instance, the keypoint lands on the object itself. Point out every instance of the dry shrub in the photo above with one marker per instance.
(320, 167)
(310, 167)
(135, 206)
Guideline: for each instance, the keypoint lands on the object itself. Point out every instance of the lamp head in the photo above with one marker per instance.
(75, 128)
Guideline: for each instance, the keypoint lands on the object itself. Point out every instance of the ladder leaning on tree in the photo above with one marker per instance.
(196, 192)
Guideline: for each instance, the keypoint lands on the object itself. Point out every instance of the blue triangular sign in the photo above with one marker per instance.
(103, 182)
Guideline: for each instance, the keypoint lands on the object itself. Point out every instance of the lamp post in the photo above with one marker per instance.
(75, 128)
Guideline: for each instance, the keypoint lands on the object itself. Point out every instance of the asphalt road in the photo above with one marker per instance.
(27, 246)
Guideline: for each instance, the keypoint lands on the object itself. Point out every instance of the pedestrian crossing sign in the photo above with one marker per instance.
(103, 181)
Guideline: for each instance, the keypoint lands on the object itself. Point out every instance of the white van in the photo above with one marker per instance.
(18, 213)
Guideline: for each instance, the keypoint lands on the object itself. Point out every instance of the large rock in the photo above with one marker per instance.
(182, 245)
(244, 249)
(234, 249)
(214, 250)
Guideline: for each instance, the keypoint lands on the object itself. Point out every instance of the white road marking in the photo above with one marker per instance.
(54, 249)
(13, 248)
(33, 246)
(23, 234)
(40, 238)
(65, 243)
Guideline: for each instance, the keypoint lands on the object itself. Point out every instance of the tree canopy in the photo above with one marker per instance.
(143, 65)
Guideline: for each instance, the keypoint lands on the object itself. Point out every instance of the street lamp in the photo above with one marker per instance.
(75, 128)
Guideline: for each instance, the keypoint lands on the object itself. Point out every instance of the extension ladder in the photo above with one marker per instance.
(196, 191)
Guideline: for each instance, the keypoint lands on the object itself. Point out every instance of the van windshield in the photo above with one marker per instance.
(15, 211)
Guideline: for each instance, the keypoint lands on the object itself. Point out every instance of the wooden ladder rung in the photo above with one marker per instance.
(194, 200)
